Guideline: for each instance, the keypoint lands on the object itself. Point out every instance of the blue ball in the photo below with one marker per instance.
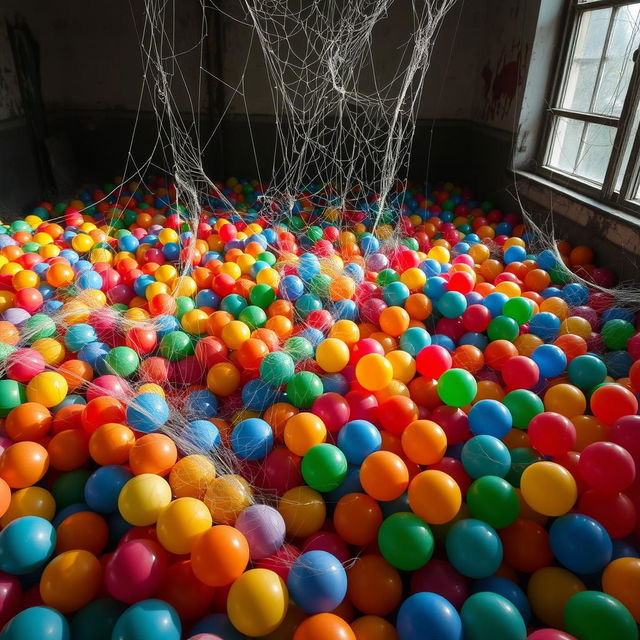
(103, 486)
(200, 404)
(618, 363)
(435, 287)
(515, 253)
(474, 548)
(346, 310)
(546, 260)
(395, 294)
(166, 324)
(475, 339)
(551, 360)
(545, 325)
(490, 417)
(79, 335)
(357, 439)
(233, 304)
(350, 484)
(89, 280)
(252, 439)
(431, 267)
(443, 341)
(202, 434)
(42, 623)
(507, 589)
(317, 582)
(257, 395)
(451, 304)
(495, 302)
(335, 383)
(581, 544)
(147, 412)
(129, 243)
(307, 303)
(575, 294)
(414, 340)
(428, 616)
(486, 455)
(26, 544)
(207, 298)
(291, 287)
(94, 354)
(148, 619)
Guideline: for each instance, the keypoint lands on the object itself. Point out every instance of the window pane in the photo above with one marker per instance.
(580, 149)
(585, 60)
(618, 62)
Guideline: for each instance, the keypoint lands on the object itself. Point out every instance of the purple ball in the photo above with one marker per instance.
(16, 316)
(6, 241)
(377, 262)
(264, 529)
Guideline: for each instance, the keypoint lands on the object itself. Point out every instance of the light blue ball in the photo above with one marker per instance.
(146, 620)
(414, 340)
(252, 439)
(202, 434)
(41, 623)
(490, 417)
(357, 439)
(147, 412)
(551, 360)
(428, 616)
(26, 544)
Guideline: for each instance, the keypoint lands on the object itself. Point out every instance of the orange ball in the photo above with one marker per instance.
(153, 453)
(23, 464)
(68, 450)
(324, 626)
(5, 497)
(621, 579)
(468, 357)
(277, 416)
(424, 442)
(496, 353)
(111, 443)
(60, 274)
(83, 530)
(435, 496)
(303, 431)
(566, 400)
(581, 255)
(384, 475)
(28, 421)
(525, 546)
(357, 518)
(9, 333)
(374, 586)
(191, 475)
(101, 410)
(418, 306)
(394, 321)
(76, 373)
(219, 555)
(373, 628)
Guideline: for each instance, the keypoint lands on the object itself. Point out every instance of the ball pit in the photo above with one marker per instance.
(242, 424)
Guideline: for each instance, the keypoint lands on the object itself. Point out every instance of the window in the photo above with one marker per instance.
(592, 139)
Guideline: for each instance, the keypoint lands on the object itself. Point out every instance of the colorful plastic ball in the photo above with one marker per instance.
(147, 412)
(303, 389)
(384, 475)
(143, 498)
(489, 615)
(474, 548)
(324, 467)
(39, 622)
(23, 464)
(358, 439)
(494, 501)
(136, 570)
(551, 360)
(264, 529)
(12, 394)
(621, 579)
(180, 523)
(48, 388)
(520, 372)
(96, 620)
(405, 541)
(26, 544)
(148, 619)
(424, 442)
(332, 408)
(324, 625)
(434, 496)
(257, 602)
(587, 371)
(490, 417)
(433, 361)
(373, 628)
(277, 368)
(220, 555)
(71, 580)
(548, 488)
(486, 456)
(24, 364)
(357, 518)
(252, 439)
(428, 616)
(508, 589)
(611, 402)
(227, 496)
(551, 433)
(580, 543)
(374, 372)
(607, 466)
(303, 431)
(594, 615)
(122, 361)
(523, 406)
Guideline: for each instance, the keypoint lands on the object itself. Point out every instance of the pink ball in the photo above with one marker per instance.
(551, 433)
(372, 308)
(121, 294)
(626, 432)
(367, 290)
(454, 423)
(364, 406)
(333, 410)
(135, 570)
(110, 278)
(463, 258)
(550, 634)
(330, 542)
(105, 323)
(607, 466)
(23, 364)
(204, 636)
(108, 385)
(280, 471)
(10, 596)
(633, 346)
(438, 576)
(365, 347)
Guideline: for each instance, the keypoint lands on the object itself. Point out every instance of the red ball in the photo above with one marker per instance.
(454, 468)
(364, 347)
(29, 299)
(363, 405)
(433, 361)
(520, 372)
(613, 401)
(461, 281)
(396, 413)
(185, 593)
(454, 423)
(141, 339)
(329, 542)
(281, 561)
(551, 433)
(333, 410)
(476, 318)
(280, 471)
(607, 466)
(211, 350)
(626, 433)
(438, 576)
(24, 364)
(614, 511)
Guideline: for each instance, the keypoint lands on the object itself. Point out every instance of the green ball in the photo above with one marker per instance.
(593, 615)
(523, 405)
(324, 467)
(587, 371)
(299, 348)
(20, 225)
(314, 233)
(411, 243)
(254, 317)
(233, 304)
(518, 309)
(616, 333)
(176, 346)
(37, 327)
(503, 328)
(494, 501)
(489, 616)
(31, 247)
(262, 295)
(521, 458)
(277, 368)
(130, 217)
(12, 394)
(5, 351)
(387, 276)
(268, 257)
(184, 304)
(97, 620)
(405, 541)
(69, 488)
(122, 361)
(320, 284)
(560, 274)
(303, 388)
(457, 387)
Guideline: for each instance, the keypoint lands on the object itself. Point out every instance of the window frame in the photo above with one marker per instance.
(605, 193)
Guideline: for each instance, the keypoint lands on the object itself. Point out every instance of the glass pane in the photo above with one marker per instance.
(627, 146)
(581, 149)
(618, 61)
(585, 60)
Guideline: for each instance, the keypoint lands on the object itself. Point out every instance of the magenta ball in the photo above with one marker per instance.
(136, 570)
(363, 405)
(280, 471)
(24, 364)
(204, 636)
(333, 410)
(626, 432)
(186, 371)
(108, 385)
(454, 423)
(550, 634)
(607, 466)
(10, 596)
(121, 294)
(264, 529)
(330, 542)
(372, 308)
(438, 576)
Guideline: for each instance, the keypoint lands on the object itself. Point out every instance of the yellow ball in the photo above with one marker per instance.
(257, 602)
(32, 501)
(155, 288)
(100, 255)
(548, 488)
(165, 273)
(223, 379)
(33, 221)
(195, 322)
(181, 523)
(235, 334)
(42, 238)
(6, 300)
(51, 350)
(303, 510)
(49, 251)
(150, 387)
(136, 315)
(439, 254)
(10, 269)
(231, 269)
(510, 289)
(245, 262)
(414, 278)
(345, 330)
(268, 276)
(374, 372)
(82, 243)
(75, 311)
(332, 355)
(48, 388)
(25, 279)
(143, 498)
(168, 235)
(184, 286)
(404, 366)
(191, 476)
(577, 326)
(227, 497)
(93, 298)
(513, 242)
(548, 590)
